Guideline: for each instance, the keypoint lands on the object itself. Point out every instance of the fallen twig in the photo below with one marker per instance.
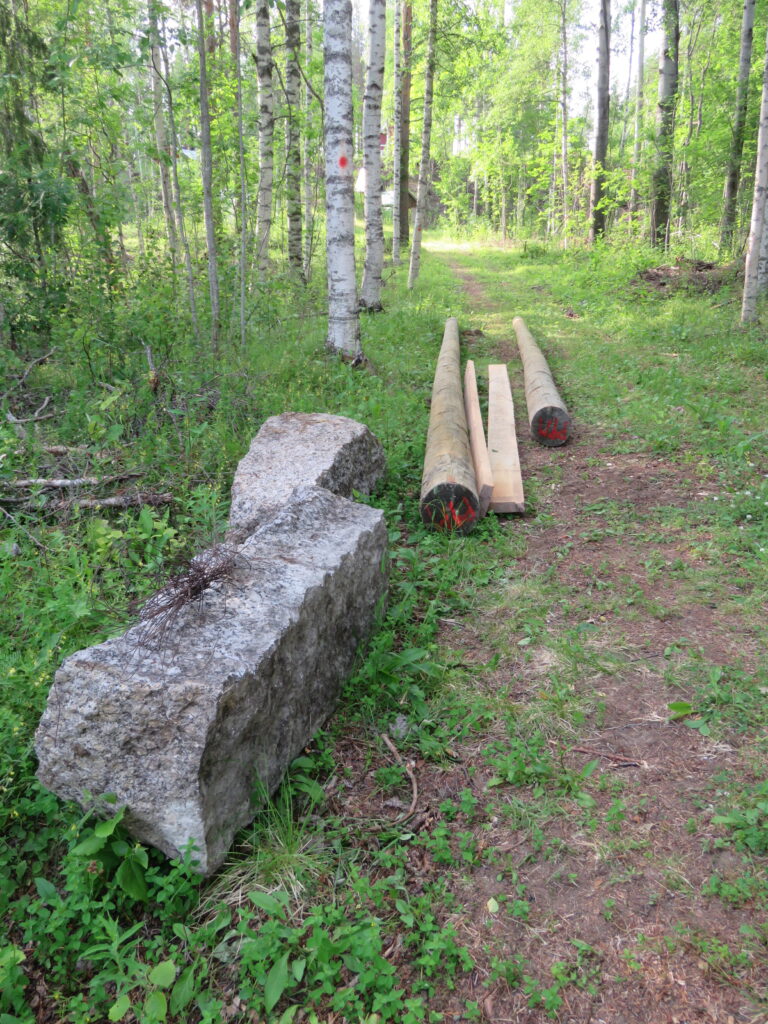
(117, 501)
(408, 772)
(20, 381)
(23, 529)
(619, 760)
(63, 482)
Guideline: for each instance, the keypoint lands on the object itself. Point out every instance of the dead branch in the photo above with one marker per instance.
(63, 482)
(22, 379)
(31, 419)
(117, 501)
(24, 530)
(408, 772)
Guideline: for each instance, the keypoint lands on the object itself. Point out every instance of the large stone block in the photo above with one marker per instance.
(296, 449)
(190, 727)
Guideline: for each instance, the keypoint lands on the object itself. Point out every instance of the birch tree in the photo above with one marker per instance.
(397, 144)
(309, 194)
(405, 122)
(266, 133)
(733, 173)
(661, 181)
(206, 167)
(757, 222)
(293, 139)
(564, 112)
(426, 136)
(370, 292)
(603, 110)
(343, 310)
(639, 100)
(161, 139)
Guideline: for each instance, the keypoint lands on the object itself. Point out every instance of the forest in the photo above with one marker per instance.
(543, 794)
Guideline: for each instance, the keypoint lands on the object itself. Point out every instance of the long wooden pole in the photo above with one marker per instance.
(477, 443)
(549, 418)
(449, 498)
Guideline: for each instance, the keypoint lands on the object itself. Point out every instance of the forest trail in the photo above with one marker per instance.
(600, 906)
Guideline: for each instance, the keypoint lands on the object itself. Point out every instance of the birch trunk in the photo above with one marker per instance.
(343, 311)
(266, 133)
(178, 205)
(756, 227)
(293, 139)
(397, 146)
(603, 110)
(733, 173)
(405, 123)
(426, 136)
(638, 107)
(370, 292)
(234, 37)
(564, 113)
(161, 140)
(309, 193)
(661, 183)
(206, 168)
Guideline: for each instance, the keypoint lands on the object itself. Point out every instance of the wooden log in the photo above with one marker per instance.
(448, 487)
(549, 419)
(508, 493)
(477, 444)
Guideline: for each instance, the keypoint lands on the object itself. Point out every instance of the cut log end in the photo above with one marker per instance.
(551, 426)
(450, 507)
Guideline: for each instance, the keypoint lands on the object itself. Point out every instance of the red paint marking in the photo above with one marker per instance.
(552, 431)
(453, 519)
(343, 161)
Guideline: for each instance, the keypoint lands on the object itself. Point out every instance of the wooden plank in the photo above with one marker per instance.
(550, 421)
(502, 444)
(448, 487)
(477, 444)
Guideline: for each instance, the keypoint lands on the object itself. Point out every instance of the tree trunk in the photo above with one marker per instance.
(293, 139)
(206, 167)
(756, 228)
(161, 141)
(234, 36)
(603, 108)
(405, 123)
(397, 145)
(426, 136)
(179, 209)
(564, 113)
(733, 173)
(638, 107)
(343, 311)
(310, 194)
(661, 182)
(370, 292)
(266, 133)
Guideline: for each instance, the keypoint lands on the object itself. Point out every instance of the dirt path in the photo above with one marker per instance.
(610, 901)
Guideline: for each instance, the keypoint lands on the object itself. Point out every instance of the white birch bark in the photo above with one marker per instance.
(343, 311)
(756, 227)
(397, 144)
(266, 133)
(426, 136)
(639, 98)
(370, 292)
(733, 173)
(293, 139)
(206, 168)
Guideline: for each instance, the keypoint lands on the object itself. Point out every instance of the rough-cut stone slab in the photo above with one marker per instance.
(296, 449)
(190, 733)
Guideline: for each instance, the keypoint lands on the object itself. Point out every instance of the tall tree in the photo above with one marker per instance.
(426, 138)
(405, 123)
(266, 132)
(309, 191)
(733, 172)
(398, 136)
(564, 112)
(293, 138)
(661, 181)
(639, 99)
(757, 223)
(603, 110)
(370, 292)
(343, 310)
(206, 166)
(161, 140)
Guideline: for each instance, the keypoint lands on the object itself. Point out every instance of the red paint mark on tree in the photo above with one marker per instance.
(454, 518)
(343, 161)
(553, 430)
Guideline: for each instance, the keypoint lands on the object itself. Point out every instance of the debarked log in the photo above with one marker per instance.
(547, 414)
(449, 499)
(477, 442)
